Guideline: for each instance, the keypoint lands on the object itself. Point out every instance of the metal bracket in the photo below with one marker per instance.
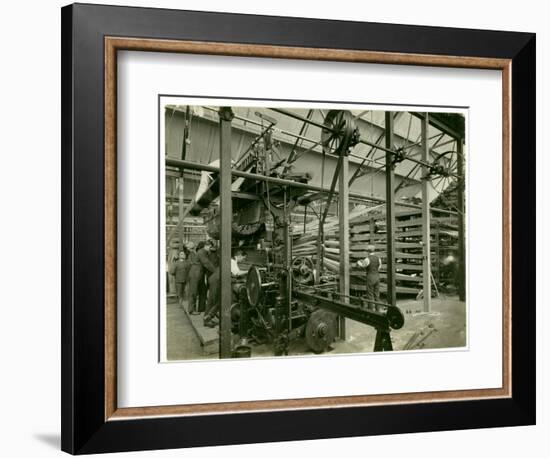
(226, 114)
(398, 156)
(438, 170)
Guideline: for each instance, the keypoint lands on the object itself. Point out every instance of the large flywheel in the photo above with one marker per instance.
(254, 290)
(320, 330)
(340, 133)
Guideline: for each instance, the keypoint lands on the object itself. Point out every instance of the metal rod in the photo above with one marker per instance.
(370, 317)
(406, 178)
(426, 259)
(286, 132)
(343, 226)
(256, 140)
(256, 123)
(173, 162)
(461, 240)
(390, 213)
(309, 121)
(358, 172)
(302, 132)
(300, 118)
(332, 190)
(419, 142)
(226, 215)
(181, 208)
(364, 142)
(323, 127)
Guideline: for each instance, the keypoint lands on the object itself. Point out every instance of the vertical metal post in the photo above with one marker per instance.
(185, 133)
(181, 209)
(287, 231)
(461, 240)
(226, 215)
(390, 212)
(181, 206)
(426, 258)
(170, 279)
(343, 226)
(438, 253)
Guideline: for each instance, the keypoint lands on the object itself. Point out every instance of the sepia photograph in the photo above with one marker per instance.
(271, 221)
(310, 228)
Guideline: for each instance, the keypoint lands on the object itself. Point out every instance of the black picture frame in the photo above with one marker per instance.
(84, 427)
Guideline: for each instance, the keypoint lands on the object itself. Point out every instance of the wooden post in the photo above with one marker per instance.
(426, 258)
(226, 215)
(461, 239)
(390, 213)
(343, 227)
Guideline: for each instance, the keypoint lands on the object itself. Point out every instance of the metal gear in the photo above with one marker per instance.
(320, 330)
(302, 270)
(438, 167)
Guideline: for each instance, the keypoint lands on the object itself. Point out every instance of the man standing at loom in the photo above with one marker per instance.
(371, 264)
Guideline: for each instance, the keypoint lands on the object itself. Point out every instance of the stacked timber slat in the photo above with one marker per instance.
(368, 227)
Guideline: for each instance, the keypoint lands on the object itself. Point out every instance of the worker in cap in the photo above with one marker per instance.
(196, 287)
(205, 269)
(180, 270)
(371, 263)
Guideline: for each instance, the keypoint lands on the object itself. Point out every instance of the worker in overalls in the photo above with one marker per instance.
(211, 264)
(180, 271)
(196, 289)
(371, 264)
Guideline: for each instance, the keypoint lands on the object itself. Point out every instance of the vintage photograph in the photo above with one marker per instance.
(312, 229)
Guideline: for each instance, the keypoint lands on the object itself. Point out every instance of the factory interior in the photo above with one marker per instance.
(312, 231)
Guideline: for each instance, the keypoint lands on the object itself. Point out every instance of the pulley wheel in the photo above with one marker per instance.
(254, 286)
(395, 317)
(341, 132)
(320, 330)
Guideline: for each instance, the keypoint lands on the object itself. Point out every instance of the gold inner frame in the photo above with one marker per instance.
(114, 44)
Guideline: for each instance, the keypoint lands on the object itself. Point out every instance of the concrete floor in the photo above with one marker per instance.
(444, 327)
(183, 343)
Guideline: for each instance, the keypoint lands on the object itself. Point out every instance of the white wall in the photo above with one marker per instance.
(30, 225)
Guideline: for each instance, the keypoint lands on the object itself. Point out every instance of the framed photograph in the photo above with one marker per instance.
(285, 228)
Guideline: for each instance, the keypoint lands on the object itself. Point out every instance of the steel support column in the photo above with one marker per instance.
(181, 209)
(426, 248)
(226, 214)
(343, 226)
(390, 212)
(461, 280)
(181, 206)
